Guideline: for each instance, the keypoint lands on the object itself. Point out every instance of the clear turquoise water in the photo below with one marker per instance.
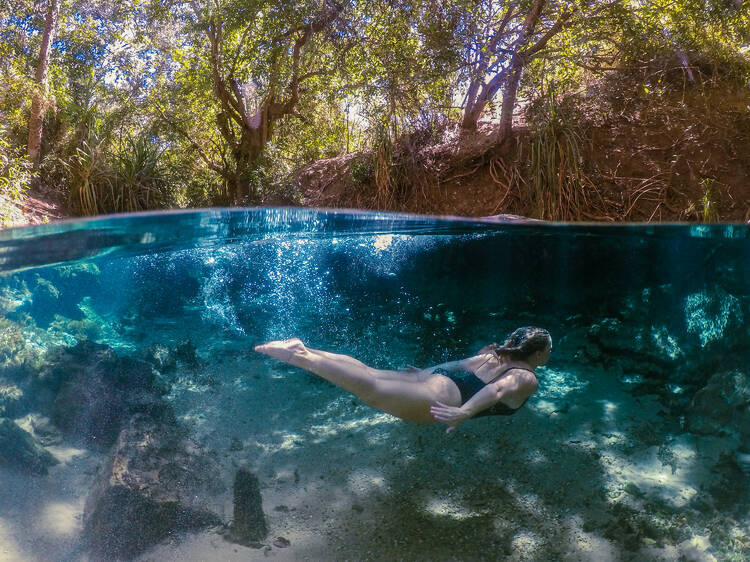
(612, 457)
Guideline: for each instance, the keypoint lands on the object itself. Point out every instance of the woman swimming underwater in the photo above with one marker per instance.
(496, 381)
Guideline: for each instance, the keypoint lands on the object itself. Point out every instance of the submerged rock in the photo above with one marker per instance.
(19, 450)
(44, 301)
(249, 522)
(648, 350)
(716, 319)
(187, 353)
(61, 362)
(728, 492)
(159, 356)
(696, 550)
(156, 483)
(742, 459)
(17, 357)
(722, 406)
(11, 399)
(41, 429)
(76, 330)
(59, 291)
(281, 542)
(93, 392)
(79, 275)
(663, 334)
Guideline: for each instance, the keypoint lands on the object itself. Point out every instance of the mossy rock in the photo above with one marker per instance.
(15, 353)
(12, 342)
(11, 399)
(78, 272)
(19, 450)
(156, 483)
(78, 329)
(722, 406)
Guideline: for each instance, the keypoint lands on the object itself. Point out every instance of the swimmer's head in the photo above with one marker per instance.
(524, 343)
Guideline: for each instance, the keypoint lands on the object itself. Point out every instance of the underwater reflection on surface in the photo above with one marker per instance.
(131, 364)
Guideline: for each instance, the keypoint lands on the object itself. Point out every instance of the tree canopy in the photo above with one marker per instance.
(132, 105)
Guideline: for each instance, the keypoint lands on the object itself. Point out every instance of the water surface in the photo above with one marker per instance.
(632, 448)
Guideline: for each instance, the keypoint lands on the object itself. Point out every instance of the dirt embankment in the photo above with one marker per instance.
(34, 209)
(636, 155)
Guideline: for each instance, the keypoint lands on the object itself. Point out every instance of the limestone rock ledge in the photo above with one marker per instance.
(155, 484)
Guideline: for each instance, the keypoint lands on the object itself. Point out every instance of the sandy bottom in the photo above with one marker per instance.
(41, 516)
(585, 472)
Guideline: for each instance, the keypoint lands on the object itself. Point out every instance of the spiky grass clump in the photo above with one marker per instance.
(133, 181)
(558, 185)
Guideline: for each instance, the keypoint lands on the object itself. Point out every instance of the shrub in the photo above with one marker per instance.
(15, 177)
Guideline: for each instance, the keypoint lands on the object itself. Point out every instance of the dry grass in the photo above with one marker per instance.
(678, 154)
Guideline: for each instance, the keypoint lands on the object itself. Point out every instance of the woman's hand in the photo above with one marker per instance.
(449, 415)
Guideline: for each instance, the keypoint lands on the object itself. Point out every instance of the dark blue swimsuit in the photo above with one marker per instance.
(469, 384)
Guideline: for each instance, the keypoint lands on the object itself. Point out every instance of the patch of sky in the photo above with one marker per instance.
(26, 23)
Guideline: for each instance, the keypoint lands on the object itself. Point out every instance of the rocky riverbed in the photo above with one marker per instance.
(141, 431)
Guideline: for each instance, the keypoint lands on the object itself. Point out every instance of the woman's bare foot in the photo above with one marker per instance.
(283, 350)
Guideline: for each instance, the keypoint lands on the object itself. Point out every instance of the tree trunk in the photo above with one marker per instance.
(38, 99)
(481, 94)
(471, 117)
(248, 134)
(509, 101)
(246, 152)
(474, 109)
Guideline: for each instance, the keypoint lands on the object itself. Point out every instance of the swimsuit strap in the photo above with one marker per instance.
(501, 375)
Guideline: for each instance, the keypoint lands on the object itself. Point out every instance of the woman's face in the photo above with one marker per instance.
(544, 355)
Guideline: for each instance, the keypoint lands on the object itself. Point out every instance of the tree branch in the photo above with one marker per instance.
(509, 13)
(231, 106)
(326, 16)
(558, 26)
(215, 167)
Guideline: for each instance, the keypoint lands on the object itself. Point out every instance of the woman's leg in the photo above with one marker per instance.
(342, 370)
(404, 396)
